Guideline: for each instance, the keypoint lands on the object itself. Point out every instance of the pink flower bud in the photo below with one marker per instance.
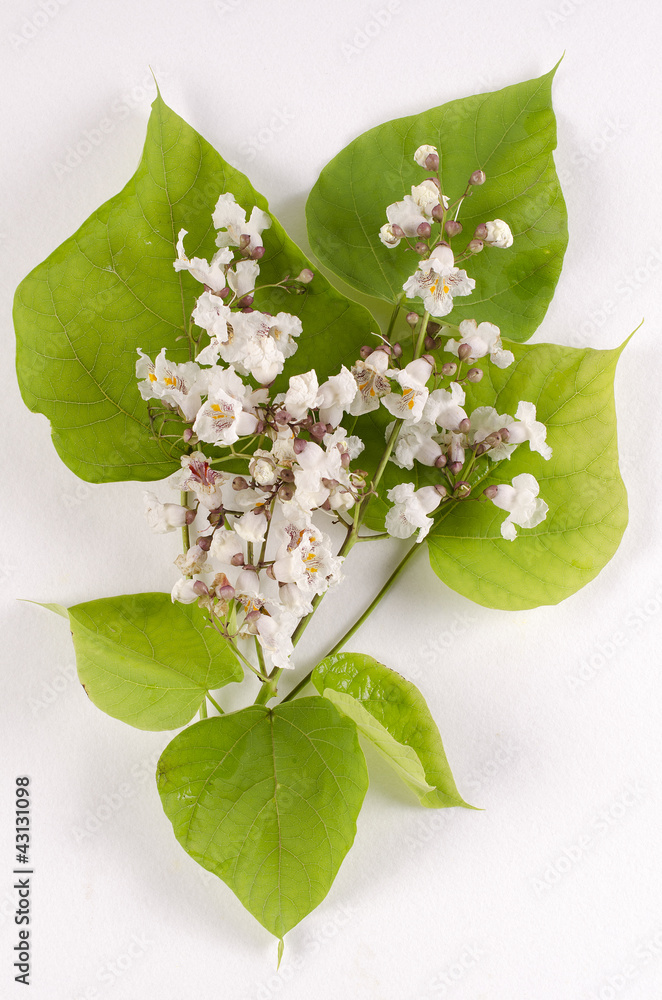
(239, 483)
(200, 588)
(453, 228)
(258, 253)
(397, 231)
(432, 161)
(478, 177)
(441, 489)
(480, 232)
(318, 430)
(244, 241)
(305, 276)
(365, 351)
(204, 542)
(187, 435)
(449, 368)
(286, 476)
(475, 246)
(412, 318)
(424, 230)
(245, 302)
(491, 491)
(422, 249)
(224, 292)
(474, 375)
(299, 445)
(397, 350)
(440, 462)
(464, 426)
(190, 516)
(286, 492)
(464, 352)
(438, 213)
(455, 467)
(237, 560)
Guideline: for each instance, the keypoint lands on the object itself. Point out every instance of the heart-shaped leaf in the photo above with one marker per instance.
(392, 713)
(267, 799)
(111, 287)
(510, 134)
(147, 661)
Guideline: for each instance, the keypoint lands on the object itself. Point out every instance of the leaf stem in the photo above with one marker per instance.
(215, 704)
(186, 537)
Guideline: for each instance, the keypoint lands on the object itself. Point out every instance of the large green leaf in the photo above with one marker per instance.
(581, 483)
(111, 287)
(510, 134)
(392, 713)
(267, 799)
(147, 661)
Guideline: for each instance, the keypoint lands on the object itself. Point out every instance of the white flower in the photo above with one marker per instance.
(415, 443)
(498, 234)
(412, 378)
(336, 396)
(444, 407)
(437, 281)
(352, 445)
(284, 327)
(275, 637)
(521, 499)
(455, 446)
(263, 468)
(225, 545)
(242, 278)
(302, 395)
(259, 343)
(410, 510)
(295, 600)
(192, 561)
(485, 421)
(231, 217)
(482, 339)
(315, 465)
(179, 385)
(422, 153)
(251, 526)
(163, 517)
(370, 377)
(426, 196)
(226, 415)
(211, 274)
(197, 476)
(305, 559)
(388, 237)
(183, 591)
(212, 315)
(527, 428)
(407, 214)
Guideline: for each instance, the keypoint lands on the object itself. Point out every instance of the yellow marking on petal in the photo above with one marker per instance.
(433, 288)
(152, 377)
(446, 289)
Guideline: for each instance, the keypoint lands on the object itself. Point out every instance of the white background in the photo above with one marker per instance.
(551, 718)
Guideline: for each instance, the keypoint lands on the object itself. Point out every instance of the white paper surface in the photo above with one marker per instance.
(551, 718)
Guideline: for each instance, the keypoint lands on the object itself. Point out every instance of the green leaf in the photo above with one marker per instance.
(111, 287)
(392, 713)
(267, 799)
(510, 134)
(147, 661)
(581, 483)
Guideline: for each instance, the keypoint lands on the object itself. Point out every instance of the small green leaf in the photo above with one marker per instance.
(392, 713)
(147, 661)
(581, 483)
(511, 135)
(111, 287)
(267, 799)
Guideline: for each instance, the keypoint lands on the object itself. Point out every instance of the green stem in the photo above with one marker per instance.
(215, 704)
(203, 708)
(394, 315)
(360, 620)
(186, 537)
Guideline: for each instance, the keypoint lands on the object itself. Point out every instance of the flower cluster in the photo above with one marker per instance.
(260, 559)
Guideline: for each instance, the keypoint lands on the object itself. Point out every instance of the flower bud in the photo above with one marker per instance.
(345, 460)
(474, 375)
(432, 161)
(189, 517)
(259, 427)
(429, 359)
(504, 433)
(480, 232)
(270, 572)
(226, 592)
(245, 302)
(204, 541)
(237, 560)
(298, 445)
(286, 476)
(464, 426)
(453, 228)
(424, 230)
(386, 348)
(305, 276)
(224, 292)
(455, 467)
(478, 177)
(258, 253)
(441, 489)
(397, 350)
(449, 368)
(365, 351)
(253, 616)
(480, 449)
(247, 309)
(200, 588)
(432, 343)
(462, 488)
(491, 491)
(475, 246)
(286, 492)
(239, 483)
(215, 517)
(283, 417)
(422, 249)
(318, 430)
(244, 242)
(441, 461)
(326, 505)
(329, 483)
(397, 231)
(187, 435)
(438, 213)
(464, 352)
(433, 328)
(412, 318)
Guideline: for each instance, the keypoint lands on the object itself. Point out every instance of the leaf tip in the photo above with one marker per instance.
(156, 84)
(57, 609)
(281, 949)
